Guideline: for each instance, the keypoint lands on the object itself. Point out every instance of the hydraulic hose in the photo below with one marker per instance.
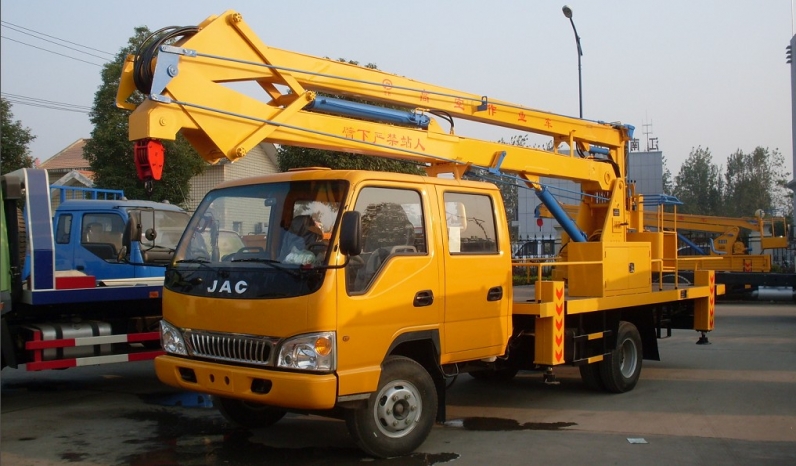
(142, 66)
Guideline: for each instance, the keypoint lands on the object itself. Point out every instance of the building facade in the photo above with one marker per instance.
(69, 168)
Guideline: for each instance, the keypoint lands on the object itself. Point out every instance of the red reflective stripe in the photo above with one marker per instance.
(44, 365)
(44, 344)
(38, 344)
(149, 336)
(144, 356)
(37, 354)
(67, 363)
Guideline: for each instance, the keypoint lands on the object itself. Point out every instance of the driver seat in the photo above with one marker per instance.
(302, 232)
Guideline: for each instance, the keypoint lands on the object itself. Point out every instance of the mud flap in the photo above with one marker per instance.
(704, 308)
(549, 332)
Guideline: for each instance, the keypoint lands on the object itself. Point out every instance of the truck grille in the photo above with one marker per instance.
(243, 349)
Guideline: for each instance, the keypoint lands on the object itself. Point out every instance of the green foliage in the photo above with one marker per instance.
(14, 140)
(699, 184)
(755, 181)
(110, 153)
(668, 183)
(751, 181)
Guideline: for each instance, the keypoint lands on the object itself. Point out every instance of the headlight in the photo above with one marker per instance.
(171, 339)
(311, 352)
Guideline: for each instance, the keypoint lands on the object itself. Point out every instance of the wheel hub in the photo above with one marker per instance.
(397, 408)
(627, 358)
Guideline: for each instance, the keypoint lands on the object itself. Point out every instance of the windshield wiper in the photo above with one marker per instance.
(273, 263)
(203, 263)
(193, 261)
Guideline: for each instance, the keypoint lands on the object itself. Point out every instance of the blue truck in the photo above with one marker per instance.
(81, 285)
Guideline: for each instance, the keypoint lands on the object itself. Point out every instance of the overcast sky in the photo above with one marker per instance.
(707, 73)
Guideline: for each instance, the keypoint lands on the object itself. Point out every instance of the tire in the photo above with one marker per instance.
(590, 374)
(621, 369)
(494, 375)
(400, 414)
(247, 414)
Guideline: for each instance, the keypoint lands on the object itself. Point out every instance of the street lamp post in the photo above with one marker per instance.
(568, 13)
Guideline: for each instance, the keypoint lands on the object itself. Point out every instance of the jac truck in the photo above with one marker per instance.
(82, 286)
(373, 289)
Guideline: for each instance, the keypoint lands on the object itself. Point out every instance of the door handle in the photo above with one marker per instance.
(495, 293)
(423, 298)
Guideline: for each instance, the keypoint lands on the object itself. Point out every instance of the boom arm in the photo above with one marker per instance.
(190, 92)
(772, 230)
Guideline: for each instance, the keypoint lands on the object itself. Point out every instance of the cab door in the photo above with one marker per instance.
(97, 245)
(65, 230)
(391, 292)
(477, 275)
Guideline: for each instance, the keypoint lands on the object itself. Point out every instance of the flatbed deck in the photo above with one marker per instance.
(525, 299)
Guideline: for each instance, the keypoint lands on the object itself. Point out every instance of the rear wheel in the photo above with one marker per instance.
(621, 369)
(246, 413)
(400, 415)
(590, 374)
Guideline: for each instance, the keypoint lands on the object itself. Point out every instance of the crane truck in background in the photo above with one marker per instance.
(82, 286)
(745, 273)
(372, 288)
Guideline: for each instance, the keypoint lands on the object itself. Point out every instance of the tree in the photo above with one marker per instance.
(699, 184)
(110, 154)
(755, 181)
(668, 183)
(14, 140)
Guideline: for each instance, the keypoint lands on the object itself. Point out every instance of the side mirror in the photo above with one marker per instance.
(351, 234)
(132, 231)
(150, 234)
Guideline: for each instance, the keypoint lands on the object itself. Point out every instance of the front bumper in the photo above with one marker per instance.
(289, 390)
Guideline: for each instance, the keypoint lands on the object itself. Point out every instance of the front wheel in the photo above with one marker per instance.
(246, 413)
(400, 415)
(621, 369)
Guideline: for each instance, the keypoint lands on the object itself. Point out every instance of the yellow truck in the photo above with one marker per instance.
(371, 289)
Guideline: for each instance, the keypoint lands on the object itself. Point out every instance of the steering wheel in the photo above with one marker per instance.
(318, 247)
(243, 250)
(251, 249)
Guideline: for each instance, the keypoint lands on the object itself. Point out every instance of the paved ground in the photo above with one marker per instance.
(732, 402)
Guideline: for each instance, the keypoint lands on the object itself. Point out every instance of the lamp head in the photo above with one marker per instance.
(567, 11)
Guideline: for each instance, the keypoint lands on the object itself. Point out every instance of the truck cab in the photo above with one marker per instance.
(114, 239)
(108, 238)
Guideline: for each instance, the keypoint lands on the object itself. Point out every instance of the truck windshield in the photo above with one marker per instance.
(261, 241)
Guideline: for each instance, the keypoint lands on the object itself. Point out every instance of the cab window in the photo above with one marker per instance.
(392, 224)
(470, 222)
(102, 234)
